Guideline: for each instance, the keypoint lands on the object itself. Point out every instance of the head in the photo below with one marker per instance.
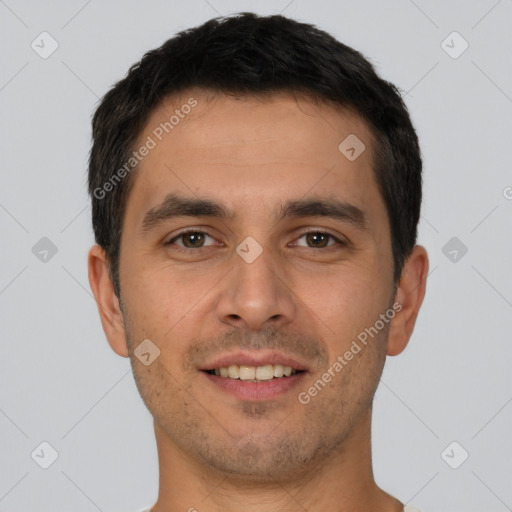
(239, 125)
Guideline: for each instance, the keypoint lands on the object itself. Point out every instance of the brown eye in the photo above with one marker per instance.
(317, 240)
(191, 239)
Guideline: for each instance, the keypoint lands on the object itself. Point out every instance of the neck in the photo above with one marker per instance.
(344, 482)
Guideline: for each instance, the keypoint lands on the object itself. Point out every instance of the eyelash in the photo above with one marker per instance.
(198, 231)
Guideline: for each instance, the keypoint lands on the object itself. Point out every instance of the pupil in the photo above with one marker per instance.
(192, 236)
(313, 237)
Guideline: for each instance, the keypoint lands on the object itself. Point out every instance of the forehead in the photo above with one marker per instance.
(266, 120)
(253, 150)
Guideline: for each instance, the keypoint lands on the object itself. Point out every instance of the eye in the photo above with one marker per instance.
(318, 240)
(196, 239)
(191, 239)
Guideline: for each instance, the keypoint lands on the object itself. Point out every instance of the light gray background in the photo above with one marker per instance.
(59, 380)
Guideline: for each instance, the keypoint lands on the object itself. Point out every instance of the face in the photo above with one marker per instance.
(286, 260)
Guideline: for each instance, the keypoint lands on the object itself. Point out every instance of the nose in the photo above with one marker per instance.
(256, 295)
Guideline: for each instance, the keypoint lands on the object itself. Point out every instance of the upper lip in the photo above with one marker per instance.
(260, 358)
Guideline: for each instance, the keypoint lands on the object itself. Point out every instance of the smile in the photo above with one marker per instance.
(254, 373)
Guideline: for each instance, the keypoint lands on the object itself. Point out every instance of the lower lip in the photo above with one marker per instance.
(256, 391)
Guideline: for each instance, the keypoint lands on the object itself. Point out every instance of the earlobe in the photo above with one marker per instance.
(107, 301)
(409, 295)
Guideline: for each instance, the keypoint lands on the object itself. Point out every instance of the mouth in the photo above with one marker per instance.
(248, 373)
(251, 378)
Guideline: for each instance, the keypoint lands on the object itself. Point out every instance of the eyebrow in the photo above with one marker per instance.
(176, 205)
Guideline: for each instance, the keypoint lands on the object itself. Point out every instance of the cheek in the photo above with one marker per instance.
(167, 305)
(164, 293)
(346, 303)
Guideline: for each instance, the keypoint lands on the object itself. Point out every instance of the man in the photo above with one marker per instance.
(256, 190)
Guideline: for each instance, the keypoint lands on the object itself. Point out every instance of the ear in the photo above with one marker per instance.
(107, 301)
(409, 295)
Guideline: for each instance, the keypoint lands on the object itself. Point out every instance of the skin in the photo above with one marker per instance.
(305, 297)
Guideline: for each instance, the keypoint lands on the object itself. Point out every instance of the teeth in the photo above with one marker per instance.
(265, 372)
(255, 373)
(247, 372)
(278, 370)
(233, 371)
